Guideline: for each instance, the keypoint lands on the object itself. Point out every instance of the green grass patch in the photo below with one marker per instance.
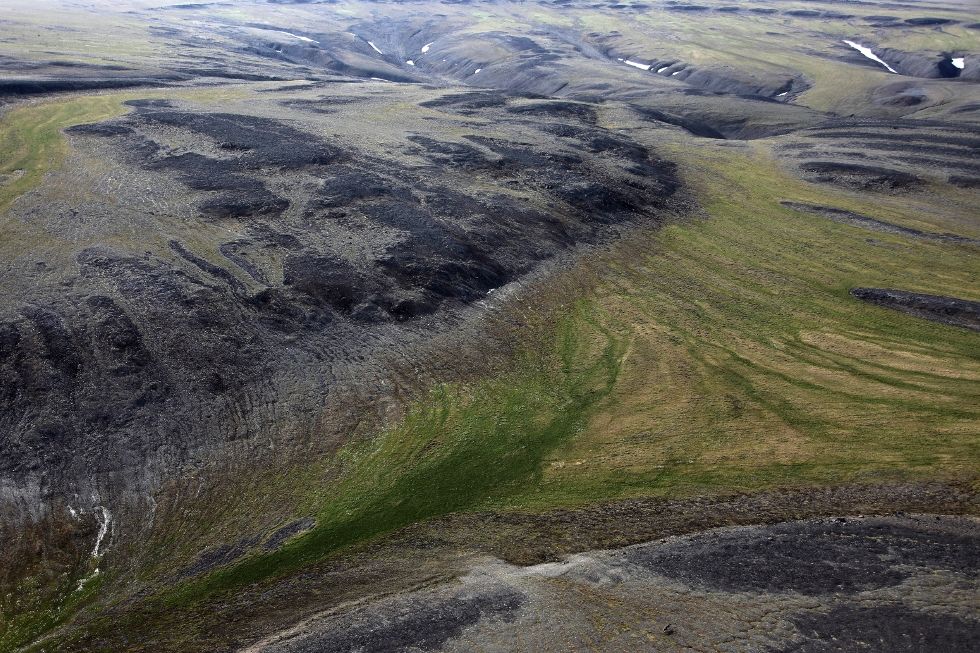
(28, 626)
(462, 446)
(31, 142)
(31, 138)
(751, 366)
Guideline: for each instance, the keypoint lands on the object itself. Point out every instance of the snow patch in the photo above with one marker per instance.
(663, 69)
(410, 62)
(425, 48)
(477, 70)
(637, 64)
(375, 47)
(82, 582)
(676, 72)
(783, 94)
(301, 38)
(74, 513)
(104, 516)
(959, 62)
(869, 54)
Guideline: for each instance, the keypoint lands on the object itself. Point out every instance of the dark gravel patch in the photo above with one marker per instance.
(267, 142)
(288, 531)
(837, 556)
(206, 266)
(413, 624)
(883, 629)
(469, 102)
(150, 103)
(218, 557)
(556, 109)
(897, 136)
(854, 175)
(563, 130)
(828, 560)
(928, 21)
(964, 182)
(454, 153)
(264, 145)
(946, 310)
(105, 129)
(21, 87)
(237, 253)
(934, 163)
(693, 126)
(950, 152)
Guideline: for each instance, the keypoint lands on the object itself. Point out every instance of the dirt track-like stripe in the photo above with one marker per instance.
(858, 220)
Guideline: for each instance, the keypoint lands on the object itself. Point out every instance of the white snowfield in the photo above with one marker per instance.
(375, 47)
(103, 515)
(869, 54)
(477, 70)
(637, 64)
(82, 582)
(410, 62)
(301, 38)
(959, 62)
(660, 70)
(425, 48)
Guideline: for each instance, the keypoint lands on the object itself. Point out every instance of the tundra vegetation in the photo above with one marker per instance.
(313, 309)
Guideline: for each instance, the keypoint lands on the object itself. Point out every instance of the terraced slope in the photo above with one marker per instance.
(888, 154)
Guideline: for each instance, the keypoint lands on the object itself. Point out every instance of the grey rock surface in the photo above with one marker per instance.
(903, 583)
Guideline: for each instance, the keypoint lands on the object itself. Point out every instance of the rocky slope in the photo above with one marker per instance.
(263, 273)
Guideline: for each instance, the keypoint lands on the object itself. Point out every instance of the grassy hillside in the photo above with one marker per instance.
(722, 354)
(31, 138)
(31, 142)
(749, 365)
(42, 30)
